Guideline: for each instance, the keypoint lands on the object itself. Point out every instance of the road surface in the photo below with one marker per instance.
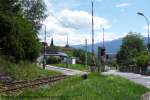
(65, 71)
(137, 78)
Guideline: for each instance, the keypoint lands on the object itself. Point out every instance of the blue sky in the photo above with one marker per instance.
(73, 18)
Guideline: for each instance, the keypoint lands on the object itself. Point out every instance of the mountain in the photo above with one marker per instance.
(111, 46)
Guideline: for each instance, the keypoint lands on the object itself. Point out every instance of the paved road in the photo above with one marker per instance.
(65, 71)
(137, 78)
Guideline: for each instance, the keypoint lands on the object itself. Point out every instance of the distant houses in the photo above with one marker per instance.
(56, 52)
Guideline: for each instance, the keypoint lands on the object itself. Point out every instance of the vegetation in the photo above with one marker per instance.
(95, 87)
(71, 52)
(20, 21)
(80, 54)
(73, 66)
(53, 60)
(23, 70)
(131, 50)
(55, 49)
(142, 63)
(111, 63)
(34, 11)
(142, 60)
(18, 37)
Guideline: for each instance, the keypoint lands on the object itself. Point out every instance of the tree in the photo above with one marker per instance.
(131, 47)
(81, 55)
(52, 42)
(34, 11)
(142, 60)
(11, 6)
(18, 39)
(53, 60)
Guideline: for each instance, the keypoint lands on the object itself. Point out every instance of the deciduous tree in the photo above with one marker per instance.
(34, 11)
(131, 47)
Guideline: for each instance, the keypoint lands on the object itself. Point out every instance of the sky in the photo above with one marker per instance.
(72, 18)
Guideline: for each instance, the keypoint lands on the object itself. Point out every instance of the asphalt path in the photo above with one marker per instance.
(137, 78)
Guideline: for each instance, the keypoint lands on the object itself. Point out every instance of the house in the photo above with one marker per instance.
(72, 60)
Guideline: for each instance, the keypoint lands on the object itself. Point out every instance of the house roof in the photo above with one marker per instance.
(63, 54)
(58, 54)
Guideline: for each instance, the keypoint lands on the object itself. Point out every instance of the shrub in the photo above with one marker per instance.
(53, 60)
(143, 60)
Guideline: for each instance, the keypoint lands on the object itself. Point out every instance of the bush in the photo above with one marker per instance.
(53, 60)
(143, 60)
(23, 70)
(84, 76)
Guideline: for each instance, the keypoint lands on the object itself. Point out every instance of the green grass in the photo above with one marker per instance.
(71, 66)
(23, 70)
(96, 87)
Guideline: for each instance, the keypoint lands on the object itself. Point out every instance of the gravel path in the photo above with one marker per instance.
(65, 71)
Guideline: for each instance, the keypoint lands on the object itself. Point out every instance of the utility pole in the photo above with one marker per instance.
(67, 40)
(85, 53)
(44, 60)
(67, 45)
(92, 31)
(93, 62)
(103, 39)
(103, 55)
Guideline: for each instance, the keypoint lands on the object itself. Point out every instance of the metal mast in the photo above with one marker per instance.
(85, 52)
(103, 39)
(67, 41)
(67, 45)
(92, 32)
(94, 64)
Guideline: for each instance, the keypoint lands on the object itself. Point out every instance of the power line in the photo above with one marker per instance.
(62, 23)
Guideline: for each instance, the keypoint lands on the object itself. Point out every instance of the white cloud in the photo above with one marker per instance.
(81, 19)
(144, 34)
(146, 27)
(99, 0)
(123, 5)
(74, 23)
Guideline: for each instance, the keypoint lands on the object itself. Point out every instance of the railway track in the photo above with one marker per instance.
(20, 85)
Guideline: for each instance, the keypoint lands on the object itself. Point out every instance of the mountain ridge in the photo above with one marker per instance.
(111, 46)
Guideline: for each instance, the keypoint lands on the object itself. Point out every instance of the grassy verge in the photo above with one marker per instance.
(23, 70)
(96, 87)
(75, 66)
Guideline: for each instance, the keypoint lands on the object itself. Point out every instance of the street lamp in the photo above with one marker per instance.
(148, 44)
